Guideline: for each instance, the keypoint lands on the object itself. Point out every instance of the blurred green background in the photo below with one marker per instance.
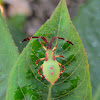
(25, 17)
(87, 23)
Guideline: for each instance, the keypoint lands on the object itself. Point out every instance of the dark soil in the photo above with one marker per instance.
(42, 10)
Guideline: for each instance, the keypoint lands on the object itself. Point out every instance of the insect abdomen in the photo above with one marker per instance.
(51, 71)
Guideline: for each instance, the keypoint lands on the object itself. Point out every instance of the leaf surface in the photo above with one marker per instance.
(74, 84)
(8, 56)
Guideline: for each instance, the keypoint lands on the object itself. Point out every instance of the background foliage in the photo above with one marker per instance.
(87, 24)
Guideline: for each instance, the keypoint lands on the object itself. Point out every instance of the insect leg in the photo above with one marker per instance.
(62, 67)
(42, 45)
(54, 48)
(60, 56)
(38, 61)
(39, 71)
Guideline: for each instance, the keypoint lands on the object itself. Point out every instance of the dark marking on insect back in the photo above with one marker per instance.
(53, 56)
(46, 57)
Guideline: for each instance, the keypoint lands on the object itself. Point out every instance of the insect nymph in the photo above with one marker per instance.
(50, 67)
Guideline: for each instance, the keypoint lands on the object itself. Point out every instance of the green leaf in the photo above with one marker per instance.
(87, 23)
(74, 84)
(8, 57)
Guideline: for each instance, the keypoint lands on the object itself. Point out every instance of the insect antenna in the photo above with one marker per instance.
(61, 39)
(43, 38)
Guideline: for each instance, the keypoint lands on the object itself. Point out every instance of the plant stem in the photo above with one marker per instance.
(49, 94)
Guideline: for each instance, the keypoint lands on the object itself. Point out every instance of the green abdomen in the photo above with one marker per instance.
(51, 71)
